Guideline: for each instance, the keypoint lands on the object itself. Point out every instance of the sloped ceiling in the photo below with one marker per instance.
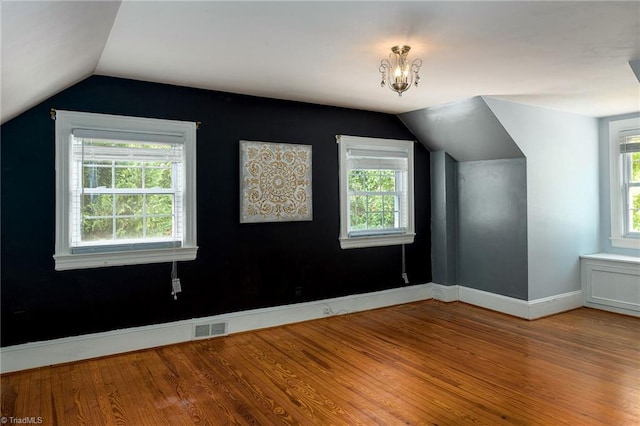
(467, 130)
(571, 56)
(48, 46)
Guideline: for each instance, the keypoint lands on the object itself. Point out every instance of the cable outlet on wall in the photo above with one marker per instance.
(326, 311)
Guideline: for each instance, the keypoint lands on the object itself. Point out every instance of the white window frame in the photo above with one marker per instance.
(145, 129)
(373, 239)
(619, 236)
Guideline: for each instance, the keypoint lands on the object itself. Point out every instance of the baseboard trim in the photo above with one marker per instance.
(527, 309)
(70, 349)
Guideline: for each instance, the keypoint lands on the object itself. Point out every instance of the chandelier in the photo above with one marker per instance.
(397, 72)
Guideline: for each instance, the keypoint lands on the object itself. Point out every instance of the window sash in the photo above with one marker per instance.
(399, 210)
(629, 143)
(88, 146)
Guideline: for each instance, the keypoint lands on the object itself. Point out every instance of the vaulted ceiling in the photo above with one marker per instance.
(570, 56)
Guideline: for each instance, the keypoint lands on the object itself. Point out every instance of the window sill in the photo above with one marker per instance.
(629, 243)
(66, 262)
(376, 241)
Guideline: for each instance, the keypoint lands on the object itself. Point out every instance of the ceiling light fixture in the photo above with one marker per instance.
(397, 72)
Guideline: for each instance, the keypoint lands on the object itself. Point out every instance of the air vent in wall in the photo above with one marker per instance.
(209, 330)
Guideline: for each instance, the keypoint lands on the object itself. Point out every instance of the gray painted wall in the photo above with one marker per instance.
(562, 191)
(467, 130)
(444, 218)
(605, 188)
(492, 226)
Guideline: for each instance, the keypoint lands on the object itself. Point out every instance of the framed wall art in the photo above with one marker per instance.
(275, 182)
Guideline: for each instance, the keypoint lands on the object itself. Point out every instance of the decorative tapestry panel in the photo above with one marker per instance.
(275, 182)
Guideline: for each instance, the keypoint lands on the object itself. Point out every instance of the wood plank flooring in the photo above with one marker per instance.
(421, 363)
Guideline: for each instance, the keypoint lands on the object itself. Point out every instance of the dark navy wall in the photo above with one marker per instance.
(239, 266)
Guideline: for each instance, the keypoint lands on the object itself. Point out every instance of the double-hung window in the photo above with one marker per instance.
(125, 190)
(376, 192)
(625, 183)
(630, 153)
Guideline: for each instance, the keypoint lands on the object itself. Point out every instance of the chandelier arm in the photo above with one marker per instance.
(397, 72)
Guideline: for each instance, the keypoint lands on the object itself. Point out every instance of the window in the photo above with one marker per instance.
(630, 153)
(125, 190)
(625, 183)
(376, 192)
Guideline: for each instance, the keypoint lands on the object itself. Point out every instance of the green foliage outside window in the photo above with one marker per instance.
(373, 199)
(634, 195)
(123, 215)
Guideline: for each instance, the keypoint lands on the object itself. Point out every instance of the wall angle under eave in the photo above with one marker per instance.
(467, 130)
(635, 66)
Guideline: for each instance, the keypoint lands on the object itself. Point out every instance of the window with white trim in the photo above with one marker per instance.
(125, 190)
(625, 183)
(376, 191)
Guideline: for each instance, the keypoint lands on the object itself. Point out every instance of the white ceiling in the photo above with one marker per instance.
(571, 56)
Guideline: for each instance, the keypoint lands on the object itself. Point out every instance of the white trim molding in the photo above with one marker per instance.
(375, 150)
(71, 349)
(527, 309)
(70, 124)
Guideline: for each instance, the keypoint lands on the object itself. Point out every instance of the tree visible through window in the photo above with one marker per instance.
(127, 199)
(125, 190)
(373, 199)
(631, 161)
(376, 192)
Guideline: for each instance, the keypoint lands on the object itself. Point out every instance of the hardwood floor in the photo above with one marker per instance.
(420, 363)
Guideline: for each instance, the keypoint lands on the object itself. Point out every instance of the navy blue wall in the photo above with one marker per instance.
(239, 266)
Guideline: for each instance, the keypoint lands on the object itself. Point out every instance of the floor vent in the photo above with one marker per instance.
(209, 330)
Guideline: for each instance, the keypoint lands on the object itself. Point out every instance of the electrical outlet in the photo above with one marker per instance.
(326, 311)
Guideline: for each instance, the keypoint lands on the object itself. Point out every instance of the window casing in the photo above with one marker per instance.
(125, 190)
(376, 192)
(625, 183)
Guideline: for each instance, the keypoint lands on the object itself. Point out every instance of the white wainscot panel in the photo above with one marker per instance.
(612, 283)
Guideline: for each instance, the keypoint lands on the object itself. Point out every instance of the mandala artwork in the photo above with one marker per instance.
(275, 182)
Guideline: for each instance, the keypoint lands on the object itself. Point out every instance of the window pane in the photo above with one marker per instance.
(157, 177)
(375, 203)
(372, 180)
(356, 180)
(388, 220)
(97, 174)
(97, 205)
(358, 212)
(97, 229)
(388, 180)
(374, 221)
(634, 209)
(129, 205)
(635, 167)
(128, 177)
(159, 204)
(389, 202)
(129, 227)
(160, 226)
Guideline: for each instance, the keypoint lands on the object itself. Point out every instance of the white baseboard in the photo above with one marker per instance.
(555, 304)
(70, 349)
(527, 309)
